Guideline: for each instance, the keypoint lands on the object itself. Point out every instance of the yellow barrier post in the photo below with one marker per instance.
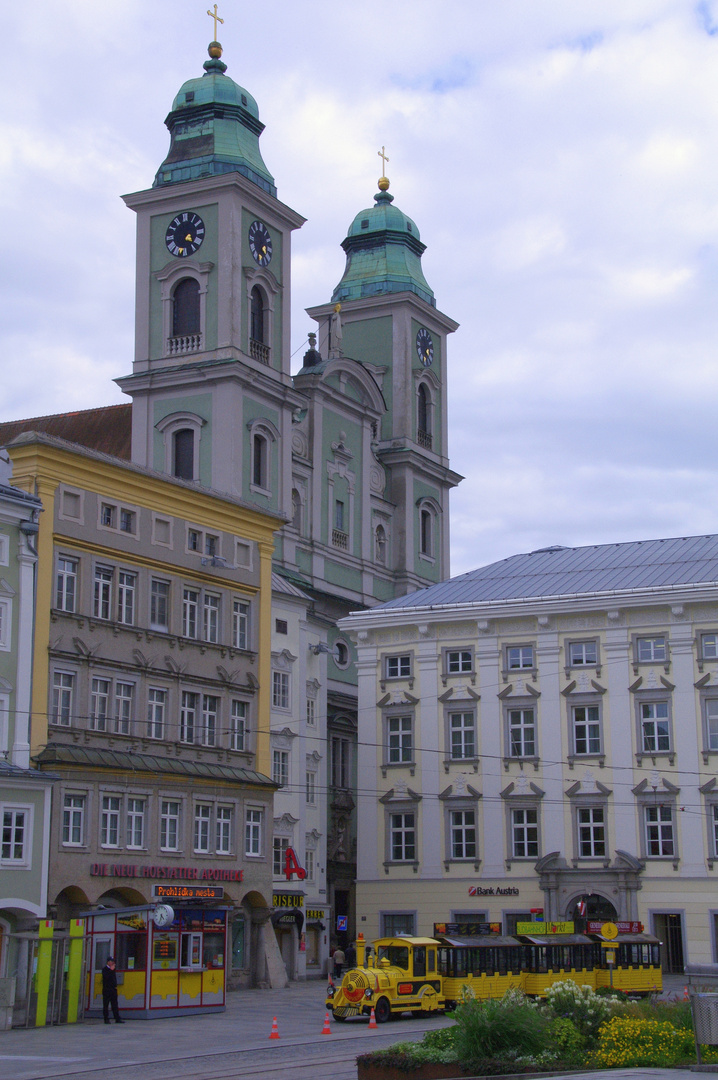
(74, 971)
(44, 965)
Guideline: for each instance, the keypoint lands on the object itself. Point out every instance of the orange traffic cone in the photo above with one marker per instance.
(686, 995)
(372, 1019)
(274, 1033)
(326, 1030)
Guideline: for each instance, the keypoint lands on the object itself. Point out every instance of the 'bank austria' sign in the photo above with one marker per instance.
(493, 890)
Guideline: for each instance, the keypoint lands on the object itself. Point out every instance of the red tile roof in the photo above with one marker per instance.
(107, 429)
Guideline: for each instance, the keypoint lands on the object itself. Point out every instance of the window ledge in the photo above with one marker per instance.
(535, 761)
(472, 761)
(388, 863)
(573, 758)
(520, 673)
(410, 765)
(653, 754)
(568, 670)
(476, 863)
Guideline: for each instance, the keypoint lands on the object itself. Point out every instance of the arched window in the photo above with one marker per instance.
(256, 331)
(185, 308)
(426, 538)
(423, 425)
(380, 545)
(183, 454)
(259, 461)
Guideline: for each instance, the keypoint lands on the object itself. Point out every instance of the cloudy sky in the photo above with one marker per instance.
(559, 156)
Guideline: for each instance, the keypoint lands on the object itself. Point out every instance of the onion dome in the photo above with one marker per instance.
(214, 128)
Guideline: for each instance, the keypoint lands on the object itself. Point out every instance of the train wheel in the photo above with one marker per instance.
(339, 1019)
(382, 1011)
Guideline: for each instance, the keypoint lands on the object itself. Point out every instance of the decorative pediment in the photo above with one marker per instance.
(709, 787)
(459, 790)
(458, 692)
(5, 686)
(314, 758)
(141, 660)
(84, 649)
(661, 785)
(400, 793)
(229, 678)
(285, 824)
(6, 588)
(173, 666)
(522, 788)
(586, 787)
(313, 687)
(312, 838)
(283, 660)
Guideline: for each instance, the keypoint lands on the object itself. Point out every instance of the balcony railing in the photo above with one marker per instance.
(340, 539)
(424, 439)
(188, 343)
(259, 351)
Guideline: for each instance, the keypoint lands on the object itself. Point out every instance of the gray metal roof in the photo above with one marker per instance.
(118, 760)
(564, 571)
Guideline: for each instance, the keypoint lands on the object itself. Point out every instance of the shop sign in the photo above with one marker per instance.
(466, 929)
(596, 927)
(287, 899)
(291, 865)
(545, 928)
(188, 892)
(136, 922)
(316, 914)
(180, 873)
(493, 890)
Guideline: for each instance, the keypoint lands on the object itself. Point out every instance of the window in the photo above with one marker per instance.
(211, 545)
(399, 740)
(194, 540)
(128, 520)
(463, 834)
(591, 832)
(102, 608)
(5, 624)
(395, 922)
(190, 610)
(110, 821)
(253, 832)
(202, 816)
(126, 584)
(185, 308)
(210, 716)
(99, 704)
(402, 837)
(519, 657)
(279, 854)
(211, 617)
(659, 831)
(66, 584)
(711, 708)
(260, 454)
(159, 604)
(280, 690)
(156, 712)
(311, 712)
(586, 729)
(462, 730)
(280, 767)
(119, 518)
(309, 864)
(63, 685)
(15, 836)
(341, 654)
(714, 828)
(459, 661)
(311, 788)
(183, 454)
(169, 825)
(522, 733)
(238, 726)
(108, 515)
(650, 649)
(582, 654)
(73, 820)
(135, 823)
(424, 417)
(124, 697)
(224, 830)
(240, 624)
(426, 532)
(296, 510)
(524, 833)
(188, 716)
(398, 667)
(281, 626)
(709, 646)
(256, 326)
(655, 729)
(341, 777)
(339, 515)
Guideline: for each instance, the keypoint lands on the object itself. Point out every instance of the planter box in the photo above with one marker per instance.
(426, 1071)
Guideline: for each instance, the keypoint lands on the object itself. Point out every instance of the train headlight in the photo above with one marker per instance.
(368, 992)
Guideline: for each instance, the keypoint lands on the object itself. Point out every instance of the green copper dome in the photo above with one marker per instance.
(214, 128)
(383, 254)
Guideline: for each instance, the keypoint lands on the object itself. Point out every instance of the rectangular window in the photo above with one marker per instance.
(156, 712)
(280, 767)
(714, 832)
(14, 836)
(211, 617)
(403, 837)
(339, 515)
(210, 713)
(73, 820)
(126, 586)
(202, 817)
(99, 704)
(124, 697)
(127, 521)
(659, 831)
(108, 515)
(400, 743)
(459, 661)
(110, 821)
(190, 609)
(650, 649)
(238, 726)
(463, 735)
(63, 685)
(135, 823)
(211, 545)
(524, 834)
(240, 624)
(712, 723)
(169, 825)
(309, 864)
(102, 608)
(519, 656)
(311, 712)
(591, 832)
(159, 604)
(194, 540)
(582, 654)
(224, 830)
(188, 716)
(522, 733)
(280, 690)
(341, 777)
(398, 667)
(709, 646)
(279, 854)
(253, 832)
(655, 730)
(311, 788)
(463, 834)
(586, 729)
(66, 584)
(281, 626)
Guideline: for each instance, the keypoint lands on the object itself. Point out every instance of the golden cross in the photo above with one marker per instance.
(384, 159)
(215, 16)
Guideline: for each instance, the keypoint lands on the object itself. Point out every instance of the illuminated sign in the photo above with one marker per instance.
(188, 892)
(466, 929)
(287, 899)
(545, 928)
(596, 927)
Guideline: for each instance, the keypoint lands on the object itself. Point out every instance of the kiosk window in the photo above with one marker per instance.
(164, 952)
(131, 952)
(191, 952)
(213, 950)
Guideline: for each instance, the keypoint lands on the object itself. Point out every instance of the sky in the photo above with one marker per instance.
(559, 157)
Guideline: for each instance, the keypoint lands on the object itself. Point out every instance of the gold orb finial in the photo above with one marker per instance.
(215, 50)
(337, 308)
(383, 183)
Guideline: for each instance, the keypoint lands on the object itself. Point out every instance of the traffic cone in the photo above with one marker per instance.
(372, 1019)
(326, 1030)
(274, 1033)
(686, 995)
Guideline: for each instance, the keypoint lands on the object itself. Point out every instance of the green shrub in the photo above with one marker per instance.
(629, 1042)
(567, 1041)
(579, 1004)
(497, 1030)
(440, 1039)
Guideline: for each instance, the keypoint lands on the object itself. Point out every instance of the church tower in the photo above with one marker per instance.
(211, 387)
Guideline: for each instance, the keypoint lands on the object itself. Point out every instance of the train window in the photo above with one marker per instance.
(420, 961)
(397, 955)
(432, 960)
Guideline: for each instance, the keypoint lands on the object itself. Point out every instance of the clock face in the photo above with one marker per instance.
(260, 243)
(163, 915)
(425, 347)
(185, 234)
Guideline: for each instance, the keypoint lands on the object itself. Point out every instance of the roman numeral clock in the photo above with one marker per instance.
(185, 234)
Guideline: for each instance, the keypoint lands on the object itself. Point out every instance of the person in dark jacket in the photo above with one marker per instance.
(109, 992)
(350, 956)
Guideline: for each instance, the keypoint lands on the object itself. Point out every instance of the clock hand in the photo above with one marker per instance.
(188, 237)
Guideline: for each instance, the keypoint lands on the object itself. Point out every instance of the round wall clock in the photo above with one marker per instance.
(425, 347)
(260, 243)
(185, 234)
(163, 915)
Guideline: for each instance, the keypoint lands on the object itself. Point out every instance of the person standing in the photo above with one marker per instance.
(338, 959)
(109, 991)
(350, 956)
